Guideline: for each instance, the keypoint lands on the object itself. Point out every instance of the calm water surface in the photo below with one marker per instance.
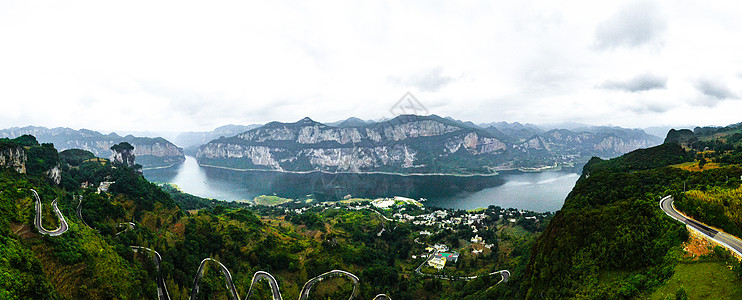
(532, 191)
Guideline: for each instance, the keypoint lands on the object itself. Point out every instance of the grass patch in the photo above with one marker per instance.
(270, 200)
(702, 280)
(515, 232)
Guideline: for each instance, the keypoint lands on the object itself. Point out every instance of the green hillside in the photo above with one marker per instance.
(293, 241)
(612, 241)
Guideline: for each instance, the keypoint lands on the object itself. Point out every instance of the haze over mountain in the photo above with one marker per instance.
(150, 152)
(192, 140)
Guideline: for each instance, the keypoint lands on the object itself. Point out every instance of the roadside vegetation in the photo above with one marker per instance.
(612, 241)
(293, 240)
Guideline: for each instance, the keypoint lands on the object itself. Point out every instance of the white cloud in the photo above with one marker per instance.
(636, 24)
(177, 65)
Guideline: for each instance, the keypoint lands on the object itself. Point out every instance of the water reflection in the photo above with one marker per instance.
(533, 191)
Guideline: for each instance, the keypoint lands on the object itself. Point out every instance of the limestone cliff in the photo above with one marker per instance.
(406, 144)
(13, 157)
(150, 152)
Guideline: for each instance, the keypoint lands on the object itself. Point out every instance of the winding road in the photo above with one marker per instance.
(259, 275)
(37, 220)
(227, 279)
(727, 240)
(79, 211)
(162, 293)
(504, 273)
(308, 285)
(128, 225)
(271, 281)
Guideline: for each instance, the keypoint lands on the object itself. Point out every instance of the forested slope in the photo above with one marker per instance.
(611, 239)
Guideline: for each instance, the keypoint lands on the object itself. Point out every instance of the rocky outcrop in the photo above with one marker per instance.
(123, 153)
(13, 157)
(150, 152)
(54, 174)
(683, 137)
(613, 144)
(409, 144)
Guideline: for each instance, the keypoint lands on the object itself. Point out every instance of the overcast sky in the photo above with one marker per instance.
(185, 66)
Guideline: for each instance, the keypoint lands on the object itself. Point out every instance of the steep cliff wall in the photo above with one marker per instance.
(411, 144)
(13, 157)
(407, 144)
(150, 152)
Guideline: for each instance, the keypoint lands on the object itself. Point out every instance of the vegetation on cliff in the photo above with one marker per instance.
(611, 239)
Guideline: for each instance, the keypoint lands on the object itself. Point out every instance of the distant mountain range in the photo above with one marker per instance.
(411, 144)
(193, 139)
(149, 152)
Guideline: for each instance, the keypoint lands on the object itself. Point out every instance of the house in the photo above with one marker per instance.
(440, 247)
(437, 262)
(476, 239)
(104, 186)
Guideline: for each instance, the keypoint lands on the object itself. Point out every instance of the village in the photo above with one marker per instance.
(443, 236)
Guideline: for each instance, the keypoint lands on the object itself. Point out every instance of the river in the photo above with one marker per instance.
(531, 191)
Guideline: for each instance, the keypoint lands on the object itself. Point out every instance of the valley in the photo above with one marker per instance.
(395, 247)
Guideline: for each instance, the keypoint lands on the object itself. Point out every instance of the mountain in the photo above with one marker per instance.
(194, 139)
(149, 152)
(515, 130)
(351, 122)
(410, 144)
(611, 240)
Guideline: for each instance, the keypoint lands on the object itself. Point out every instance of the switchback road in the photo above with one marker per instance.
(37, 221)
(227, 279)
(271, 281)
(162, 293)
(79, 210)
(729, 241)
(308, 286)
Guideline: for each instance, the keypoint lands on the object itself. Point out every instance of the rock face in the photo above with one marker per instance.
(13, 157)
(406, 144)
(123, 153)
(55, 174)
(150, 152)
(25, 155)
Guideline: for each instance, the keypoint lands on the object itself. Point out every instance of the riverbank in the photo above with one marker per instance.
(348, 173)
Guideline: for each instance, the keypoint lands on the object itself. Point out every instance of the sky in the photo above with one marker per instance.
(196, 65)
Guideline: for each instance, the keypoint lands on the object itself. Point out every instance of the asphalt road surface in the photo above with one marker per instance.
(37, 221)
(271, 281)
(227, 279)
(162, 293)
(308, 286)
(729, 241)
(504, 273)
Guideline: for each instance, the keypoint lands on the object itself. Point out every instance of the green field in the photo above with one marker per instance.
(702, 280)
(270, 200)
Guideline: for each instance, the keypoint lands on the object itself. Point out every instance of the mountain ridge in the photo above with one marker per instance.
(151, 152)
(409, 144)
